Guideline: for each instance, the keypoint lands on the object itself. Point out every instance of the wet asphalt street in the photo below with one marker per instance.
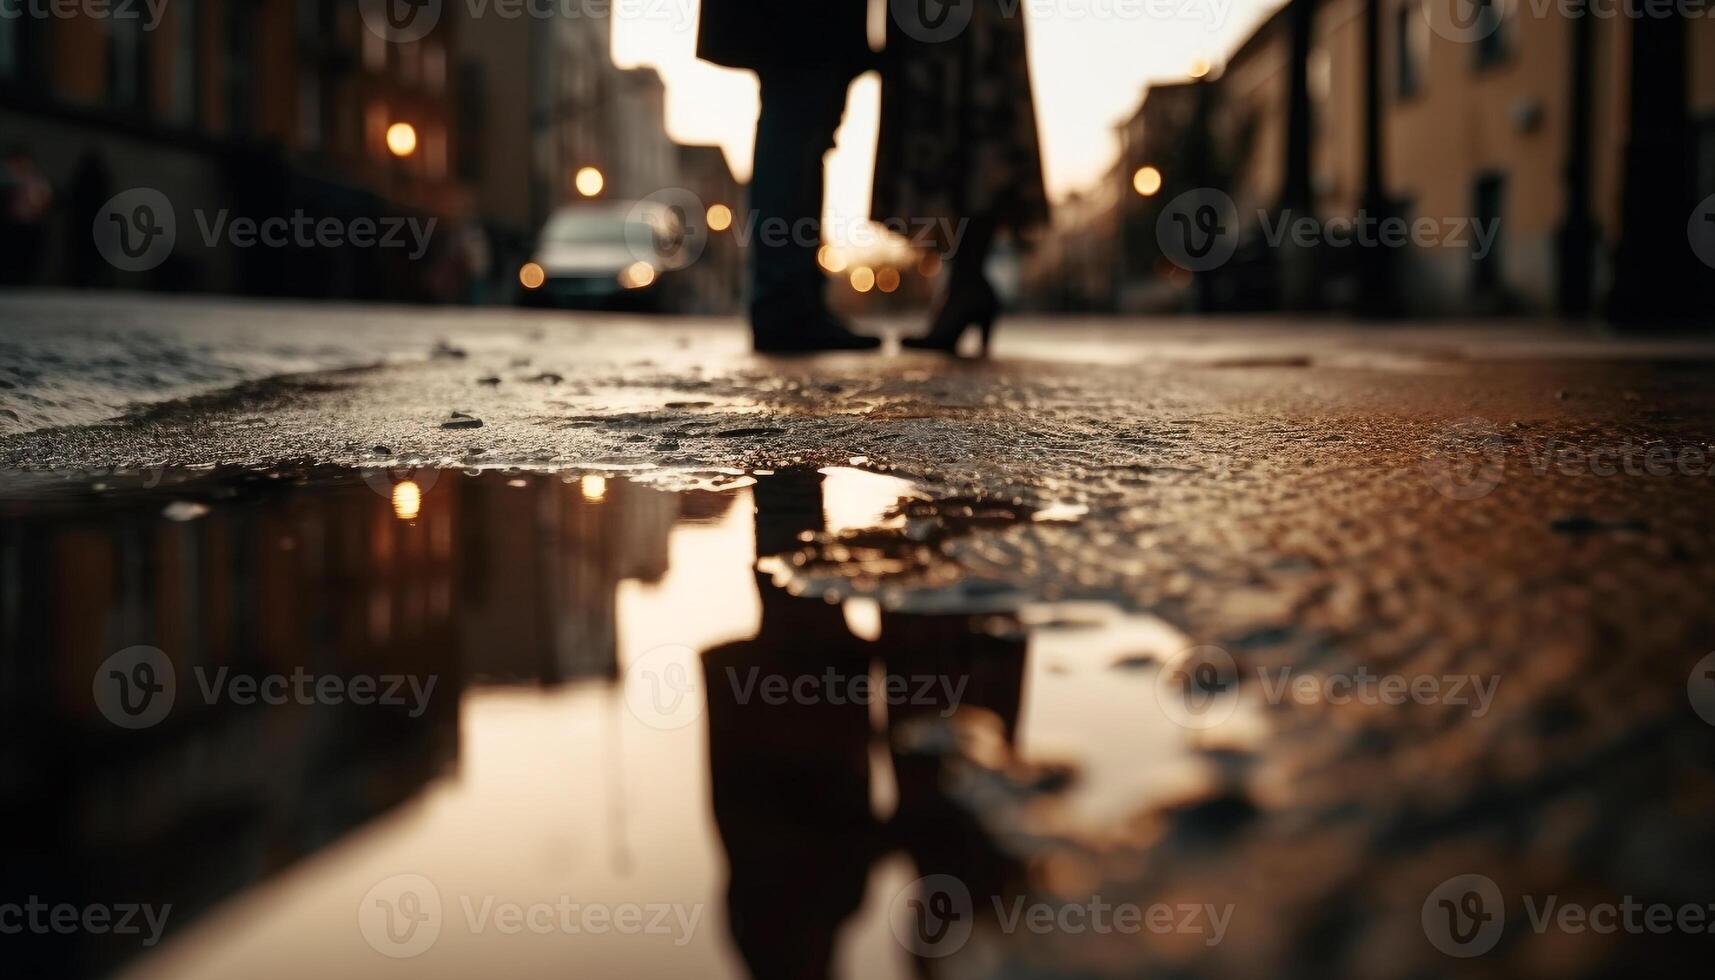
(1461, 576)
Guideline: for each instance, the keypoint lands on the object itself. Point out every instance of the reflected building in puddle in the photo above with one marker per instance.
(277, 590)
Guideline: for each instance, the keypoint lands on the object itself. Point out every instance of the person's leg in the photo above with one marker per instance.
(801, 109)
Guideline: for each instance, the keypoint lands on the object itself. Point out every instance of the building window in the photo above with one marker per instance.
(374, 52)
(375, 129)
(1494, 24)
(186, 48)
(435, 153)
(434, 67)
(127, 63)
(309, 108)
(241, 102)
(312, 126)
(8, 48)
(1411, 50)
(1488, 208)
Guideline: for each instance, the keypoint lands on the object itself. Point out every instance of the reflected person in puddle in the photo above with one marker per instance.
(791, 774)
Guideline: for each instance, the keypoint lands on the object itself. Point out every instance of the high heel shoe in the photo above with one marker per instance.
(963, 307)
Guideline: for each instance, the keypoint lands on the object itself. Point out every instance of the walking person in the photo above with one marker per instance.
(959, 151)
(804, 55)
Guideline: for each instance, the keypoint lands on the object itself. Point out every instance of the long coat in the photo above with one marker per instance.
(763, 34)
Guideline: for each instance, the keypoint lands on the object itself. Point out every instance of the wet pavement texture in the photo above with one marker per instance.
(1144, 585)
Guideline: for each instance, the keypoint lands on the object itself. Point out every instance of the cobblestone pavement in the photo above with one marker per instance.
(1519, 512)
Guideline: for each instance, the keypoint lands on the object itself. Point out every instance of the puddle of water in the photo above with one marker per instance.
(401, 709)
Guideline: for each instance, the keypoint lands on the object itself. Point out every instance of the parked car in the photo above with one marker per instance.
(609, 255)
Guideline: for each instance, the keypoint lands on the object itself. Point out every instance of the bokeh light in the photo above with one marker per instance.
(401, 139)
(1147, 181)
(589, 181)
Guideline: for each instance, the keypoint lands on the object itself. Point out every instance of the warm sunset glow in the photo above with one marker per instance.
(1147, 181)
(407, 500)
(863, 279)
(719, 217)
(532, 276)
(590, 181)
(887, 280)
(401, 139)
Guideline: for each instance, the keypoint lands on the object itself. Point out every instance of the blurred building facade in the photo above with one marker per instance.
(274, 108)
(717, 276)
(261, 108)
(1523, 127)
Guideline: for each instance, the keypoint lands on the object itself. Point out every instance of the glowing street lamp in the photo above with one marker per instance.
(401, 139)
(1147, 181)
(589, 181)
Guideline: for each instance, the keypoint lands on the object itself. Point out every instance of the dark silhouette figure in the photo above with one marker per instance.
(790, 773)
(91, 188)
(804, 56)
(1297, 276)
(1576, 245)
(1658, 282)
(959, 161)
(789, 776)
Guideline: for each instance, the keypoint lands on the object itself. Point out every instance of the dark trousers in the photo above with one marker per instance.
(801, 108)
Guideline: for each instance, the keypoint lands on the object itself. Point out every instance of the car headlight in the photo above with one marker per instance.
(637, 275)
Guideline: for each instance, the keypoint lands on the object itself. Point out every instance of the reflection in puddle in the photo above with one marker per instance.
(601, 701)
